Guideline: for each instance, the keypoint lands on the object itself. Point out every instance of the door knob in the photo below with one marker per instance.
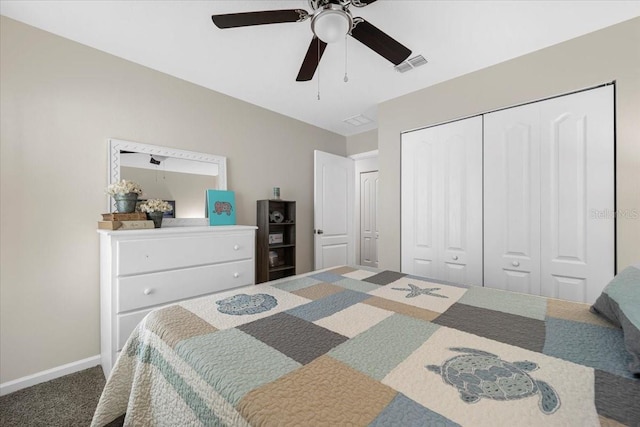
(320, 232)
(515, 263)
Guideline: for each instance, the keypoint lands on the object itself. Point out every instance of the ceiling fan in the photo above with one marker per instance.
(331, 20)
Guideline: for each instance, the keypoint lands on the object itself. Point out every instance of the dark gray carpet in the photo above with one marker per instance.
(65, 401)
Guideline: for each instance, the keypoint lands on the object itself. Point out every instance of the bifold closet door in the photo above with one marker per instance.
(577, 195)
(548, 173)
(441, 207)
(512, 199)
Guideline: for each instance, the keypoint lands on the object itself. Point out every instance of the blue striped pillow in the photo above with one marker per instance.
(620, 304)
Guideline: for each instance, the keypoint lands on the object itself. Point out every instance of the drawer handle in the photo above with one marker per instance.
(515, 263)
(236, 275)
(236, 247)
(147, 291)
(455, 257)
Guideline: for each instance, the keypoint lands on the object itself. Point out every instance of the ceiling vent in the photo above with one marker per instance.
(358, 120)
(410, 64)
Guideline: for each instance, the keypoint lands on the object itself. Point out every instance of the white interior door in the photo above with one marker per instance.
(512, 199)
(334, 235)
(368, 219)
(577, 197)
(441, 219)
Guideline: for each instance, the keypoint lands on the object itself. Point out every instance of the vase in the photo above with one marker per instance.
(126, 203)
(156, 217)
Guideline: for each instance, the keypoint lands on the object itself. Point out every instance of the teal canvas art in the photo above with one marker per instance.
(221, 207)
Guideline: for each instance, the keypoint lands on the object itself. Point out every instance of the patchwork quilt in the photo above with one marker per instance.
(363, 347)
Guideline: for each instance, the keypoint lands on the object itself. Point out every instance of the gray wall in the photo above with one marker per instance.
(60, 102)
(362, 142)
(609, 54)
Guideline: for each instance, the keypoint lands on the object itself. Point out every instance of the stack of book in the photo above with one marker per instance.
(125, 221)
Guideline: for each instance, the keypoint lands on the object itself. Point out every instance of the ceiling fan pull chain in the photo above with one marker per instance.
(346, 78)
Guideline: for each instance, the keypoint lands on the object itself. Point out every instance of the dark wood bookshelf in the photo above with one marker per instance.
(277, 259)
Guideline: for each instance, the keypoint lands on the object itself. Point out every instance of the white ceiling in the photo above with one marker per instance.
(259, 64)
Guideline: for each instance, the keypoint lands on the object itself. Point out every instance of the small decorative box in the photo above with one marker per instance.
(275, 238)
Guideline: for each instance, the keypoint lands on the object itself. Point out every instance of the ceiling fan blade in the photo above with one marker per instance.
(311, 60)
(245, 19)
(361, 3)
(378, 41)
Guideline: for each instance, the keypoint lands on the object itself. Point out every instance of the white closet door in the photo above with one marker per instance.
(461, 145)
(420, 189)
(512, 199)
(549, 196)
(442, 202)
(577, 195)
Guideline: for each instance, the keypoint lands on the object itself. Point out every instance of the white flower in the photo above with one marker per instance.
(155, 205)
(123, 187)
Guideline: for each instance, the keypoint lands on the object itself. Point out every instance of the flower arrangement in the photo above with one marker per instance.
(155, 205)
(123, 187)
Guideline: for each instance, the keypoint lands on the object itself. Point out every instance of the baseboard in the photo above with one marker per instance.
(48, 375)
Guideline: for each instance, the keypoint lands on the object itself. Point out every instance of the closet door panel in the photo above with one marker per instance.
(511, 200)
(454, 260)
(566, 189)
(419, 204)
(577, 182)
(524, 279)
(442, 202)
(454, 194)
(568, 288)
(461, 145)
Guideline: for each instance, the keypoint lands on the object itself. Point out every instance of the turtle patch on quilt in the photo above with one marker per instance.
(477, 374)
(243, 304)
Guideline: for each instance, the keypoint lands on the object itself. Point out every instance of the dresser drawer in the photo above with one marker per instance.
(126, 324)
(167, 253)
(146, 290)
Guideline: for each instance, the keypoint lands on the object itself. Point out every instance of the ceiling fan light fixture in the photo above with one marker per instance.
(331, 23)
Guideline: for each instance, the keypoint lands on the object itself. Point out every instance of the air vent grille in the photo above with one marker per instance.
(403, 67)
(410, 64)
(417, 61)
(358, 120)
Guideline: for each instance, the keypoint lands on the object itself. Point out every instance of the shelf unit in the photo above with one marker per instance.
(277, 259)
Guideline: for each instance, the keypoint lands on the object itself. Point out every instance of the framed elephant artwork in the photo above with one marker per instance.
(221, 207)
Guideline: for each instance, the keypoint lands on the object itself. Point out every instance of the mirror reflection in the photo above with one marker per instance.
(167, 178)
(181, 177)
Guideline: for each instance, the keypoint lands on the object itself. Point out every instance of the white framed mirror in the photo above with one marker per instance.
(179, 176)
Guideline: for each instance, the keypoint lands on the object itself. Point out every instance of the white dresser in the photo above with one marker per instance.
(145, 269)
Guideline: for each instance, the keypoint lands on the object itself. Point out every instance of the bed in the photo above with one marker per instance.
(358, 346)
